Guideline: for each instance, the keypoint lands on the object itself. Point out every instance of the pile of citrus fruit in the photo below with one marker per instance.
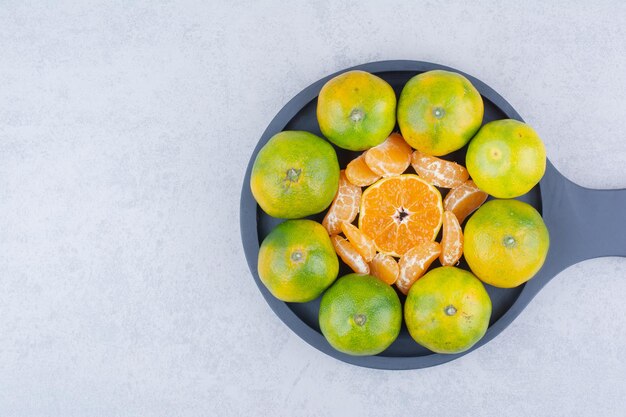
(386, 216)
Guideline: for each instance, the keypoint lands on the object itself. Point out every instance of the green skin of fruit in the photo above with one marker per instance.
(439, 112)
(506, 158)
(356, 110)
(506, 242)
(297, 261)
(296, 174)
(360, 315)
(447, 310)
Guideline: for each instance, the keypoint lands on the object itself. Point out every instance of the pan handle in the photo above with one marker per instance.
(584, 223)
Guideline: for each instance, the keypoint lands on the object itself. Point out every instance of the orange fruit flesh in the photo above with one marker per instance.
(385, 268)
(392, 157)
(361, 242)
(400, 212)
(464, 199)
(437, 171)
(414, 264)
(345, 206)
(349, 255)
(452, 240)
(358, 173)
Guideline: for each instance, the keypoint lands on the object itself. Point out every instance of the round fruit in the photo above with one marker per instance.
(297, 261)
(439, 111)
(360, 315)
(506, 242)
(447, 310)
(295, 174)
(400, 212)
(506, 158)
(356, 110)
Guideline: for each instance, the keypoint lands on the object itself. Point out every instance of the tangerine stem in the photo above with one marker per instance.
(360, 319)
(450, 310)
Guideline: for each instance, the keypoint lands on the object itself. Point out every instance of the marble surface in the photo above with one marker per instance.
(125, 129)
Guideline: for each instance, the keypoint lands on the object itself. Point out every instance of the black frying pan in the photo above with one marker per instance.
(583, 224)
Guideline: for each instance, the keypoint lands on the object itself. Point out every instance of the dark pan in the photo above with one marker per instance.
(583, 224)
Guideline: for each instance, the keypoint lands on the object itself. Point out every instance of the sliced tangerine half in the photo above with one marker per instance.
(392, 157)
(451, 241)
(349, 255)
(345, 206)
(464, 199)
(358, 173)
(437, 171)
(400, 212)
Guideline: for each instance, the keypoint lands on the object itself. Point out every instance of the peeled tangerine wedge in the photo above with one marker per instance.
(452, 240)
(358, 173)
(385, 268)
(349, 255)
(414, 263)
(361, 242)
(345, 206)
(464, 199)
(392, 157)
(437, 171)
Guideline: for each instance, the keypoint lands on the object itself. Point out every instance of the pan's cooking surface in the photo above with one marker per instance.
(299, 114)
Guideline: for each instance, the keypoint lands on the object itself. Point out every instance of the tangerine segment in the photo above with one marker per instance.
(414, 264)
(385, 268)
(392, 157)
(464, 199)
(400, 212)
(437, 171)
(345, 206)
(358, 173)
(452, 240)
(349, 255)
(361, 242)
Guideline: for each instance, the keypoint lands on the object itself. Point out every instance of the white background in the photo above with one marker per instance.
(125, 130)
